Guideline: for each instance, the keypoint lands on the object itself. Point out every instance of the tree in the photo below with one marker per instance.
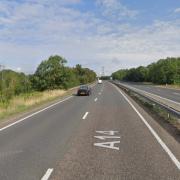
(84, 75)
(50, 74)
(162, 72)
(70, 79)
(13, 83)
(53, 74)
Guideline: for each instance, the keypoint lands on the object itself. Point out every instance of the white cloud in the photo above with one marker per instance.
(18, 69)
(59, 2)
(32, 31)
(115, 9)
(177, 10)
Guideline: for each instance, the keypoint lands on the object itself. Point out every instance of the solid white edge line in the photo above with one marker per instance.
(47, 174)
(31, 115)
(85, 115)
(159, 140)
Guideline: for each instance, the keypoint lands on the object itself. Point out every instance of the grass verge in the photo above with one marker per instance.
(25, 102)
(156, 110)
(168, 121)
(168, 86)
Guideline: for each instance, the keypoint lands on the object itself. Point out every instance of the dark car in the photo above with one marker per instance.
(84, 90)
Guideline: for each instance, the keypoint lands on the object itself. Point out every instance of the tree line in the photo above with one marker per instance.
(50, 74)
(164, 71)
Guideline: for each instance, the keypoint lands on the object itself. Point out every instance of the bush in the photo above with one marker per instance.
(165, 71)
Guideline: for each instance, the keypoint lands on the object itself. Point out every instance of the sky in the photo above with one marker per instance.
(113, 34)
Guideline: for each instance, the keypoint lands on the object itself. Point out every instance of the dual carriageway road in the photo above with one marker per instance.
(101, 137)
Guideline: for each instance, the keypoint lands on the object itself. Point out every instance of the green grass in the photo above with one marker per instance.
(171, 86)
(155, 109)
(25, 102)
(30, 101)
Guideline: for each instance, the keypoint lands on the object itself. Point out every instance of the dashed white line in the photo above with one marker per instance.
(48, 174)
(1, 129)
(95, 99)
(85, 115)
(159, 140)
(31, 115)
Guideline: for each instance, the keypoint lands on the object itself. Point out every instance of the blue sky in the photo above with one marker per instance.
(111, 33)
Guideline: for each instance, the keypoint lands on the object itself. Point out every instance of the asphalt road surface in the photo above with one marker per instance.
(105, 136)
(171, 94)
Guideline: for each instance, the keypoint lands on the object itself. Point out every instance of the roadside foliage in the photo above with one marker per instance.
(165, 71)
(50, 74)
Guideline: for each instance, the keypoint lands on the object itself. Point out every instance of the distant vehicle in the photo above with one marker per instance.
(84, 90)
(99, 81)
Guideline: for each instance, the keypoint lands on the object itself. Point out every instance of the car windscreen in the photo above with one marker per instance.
(83, 87)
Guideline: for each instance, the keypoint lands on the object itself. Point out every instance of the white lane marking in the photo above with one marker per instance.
(109, 145)
(152, 94)
(31, 115)
(159, 140)
(95, 99)
(110, 133)
(35, 113)
(85, 115)
(99, 93)
(107, 137)
(48, 174)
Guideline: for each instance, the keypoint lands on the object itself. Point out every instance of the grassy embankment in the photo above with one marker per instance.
(25, 102)
(171, 86)
(155, 110)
